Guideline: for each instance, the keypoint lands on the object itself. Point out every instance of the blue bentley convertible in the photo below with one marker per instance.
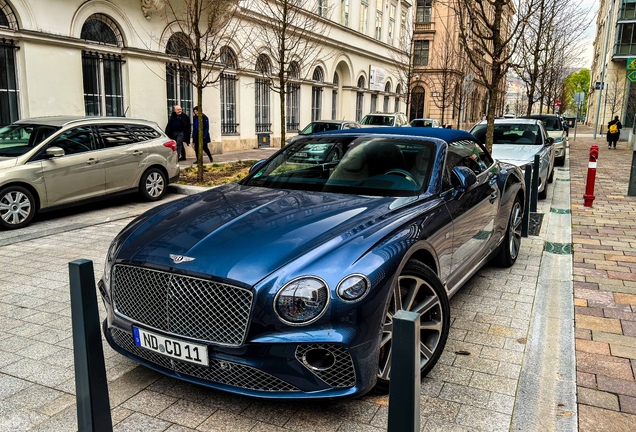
(284, 285)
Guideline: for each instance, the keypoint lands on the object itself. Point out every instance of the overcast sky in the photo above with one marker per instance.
(589, 34)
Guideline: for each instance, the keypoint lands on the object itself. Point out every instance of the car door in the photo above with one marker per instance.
(77, 175)
(473, 212)
(123, 156)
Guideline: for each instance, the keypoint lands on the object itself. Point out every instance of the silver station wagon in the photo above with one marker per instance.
(51, 162)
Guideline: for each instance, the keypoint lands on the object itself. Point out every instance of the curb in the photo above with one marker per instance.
(187, 189)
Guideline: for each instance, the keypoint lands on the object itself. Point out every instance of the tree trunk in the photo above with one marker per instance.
(199, 139)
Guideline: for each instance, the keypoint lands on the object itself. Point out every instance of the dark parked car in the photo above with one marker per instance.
(324, 126)
(285, 284)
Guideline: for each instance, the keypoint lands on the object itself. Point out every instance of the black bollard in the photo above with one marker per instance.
(404, 387)
(535, 184)
(91, 387)
(525, 222)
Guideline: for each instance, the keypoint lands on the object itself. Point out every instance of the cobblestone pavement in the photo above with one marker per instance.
(472, 388)
(604, 238)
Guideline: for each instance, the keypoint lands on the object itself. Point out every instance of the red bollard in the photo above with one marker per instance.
(591, 177)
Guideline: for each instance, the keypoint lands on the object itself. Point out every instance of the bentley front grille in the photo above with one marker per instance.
(337, 373)
(220, 371)
(185, 306)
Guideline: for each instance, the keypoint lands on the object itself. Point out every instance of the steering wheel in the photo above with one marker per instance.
(404, 173)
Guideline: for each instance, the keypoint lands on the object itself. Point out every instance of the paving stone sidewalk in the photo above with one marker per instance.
(604, 242)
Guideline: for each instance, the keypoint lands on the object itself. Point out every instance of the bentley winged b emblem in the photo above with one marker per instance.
(178, 259)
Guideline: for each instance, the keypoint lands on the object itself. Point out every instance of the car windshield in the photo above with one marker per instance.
(377, 120)
(551, 123)
(18, 139)
(316, 127)
(522, 134)
(422, 123)
(368, 165)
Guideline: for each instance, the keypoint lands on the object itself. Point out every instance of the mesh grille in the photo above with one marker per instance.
(341, 375)
(184, 306)
(223, 372)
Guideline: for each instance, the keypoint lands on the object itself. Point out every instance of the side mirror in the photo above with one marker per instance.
(466, 178)
(257, 165)
(55, 152)
(549, 141)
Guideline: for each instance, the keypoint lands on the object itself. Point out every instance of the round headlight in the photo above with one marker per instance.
(353, 287)
(302, 300)
(110, 259)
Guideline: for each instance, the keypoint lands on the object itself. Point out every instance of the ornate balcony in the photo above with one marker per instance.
(424, 27)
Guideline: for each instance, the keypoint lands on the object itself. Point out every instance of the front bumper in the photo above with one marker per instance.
(263, 370)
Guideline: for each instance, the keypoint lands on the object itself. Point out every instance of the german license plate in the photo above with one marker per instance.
(170, 347)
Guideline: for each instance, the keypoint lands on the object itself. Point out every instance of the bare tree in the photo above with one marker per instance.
(615, 95)
(293, 34)
(489, 33)
(403, 65)
(201, 29)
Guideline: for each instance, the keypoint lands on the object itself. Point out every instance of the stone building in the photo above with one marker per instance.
(108, 57)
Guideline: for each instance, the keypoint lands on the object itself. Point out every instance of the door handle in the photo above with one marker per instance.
(92, 161)
(493, 197)
(137, 153)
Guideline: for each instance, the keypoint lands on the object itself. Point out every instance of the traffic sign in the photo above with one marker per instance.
(632, 76)
(557, 103)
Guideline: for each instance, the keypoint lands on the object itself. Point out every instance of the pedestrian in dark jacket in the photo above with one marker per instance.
(178, 129)
(206, 133)
(613, 132)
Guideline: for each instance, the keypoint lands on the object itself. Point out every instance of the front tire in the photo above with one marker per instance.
(509, 249)
(418, 289)
(17, 207)
(559, 161)
(153, 184)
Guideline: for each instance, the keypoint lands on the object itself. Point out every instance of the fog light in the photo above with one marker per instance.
(319, 359)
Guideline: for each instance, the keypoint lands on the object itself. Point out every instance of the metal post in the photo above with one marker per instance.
(576, 120)
(525, 222)
(631, 191)
(535, 184)
(91, 387)
(404, 387)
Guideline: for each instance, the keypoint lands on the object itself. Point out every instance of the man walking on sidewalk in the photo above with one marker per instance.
(178, 129)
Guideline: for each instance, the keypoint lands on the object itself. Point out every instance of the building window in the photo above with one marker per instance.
(420, 53)
(9, 94)
(404, 38)
(387, 89)
(360, 99)
(344, 12)
(228, 59)
(179, 77)
(423, 12)
(102, 75)
(374, 103)
(378, 20)
(334, 97)
(179, 88)
(628, 9)
(292, 99)
(398, 90)
(626, 40)
(364, 16)
(316, 94)
(322, 8)
(262, 94)
(7, 17)
(392, 10)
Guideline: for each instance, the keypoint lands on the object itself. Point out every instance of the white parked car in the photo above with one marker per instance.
(379, 120)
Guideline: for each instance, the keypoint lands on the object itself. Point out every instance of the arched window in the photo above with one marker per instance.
(229, 125)
(360, 98)
(262, 94)
(102, 29)
(9, 93)
(398, 91)
(334, 97)
(102, 73)
(179, 76)
(417, 103)
(387, 89)
(7, 17)
(316, 94)
(292, 100)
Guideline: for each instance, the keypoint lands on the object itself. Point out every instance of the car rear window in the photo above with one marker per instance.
(551, 123)
(519, 133)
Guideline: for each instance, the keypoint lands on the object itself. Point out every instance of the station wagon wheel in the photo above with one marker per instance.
(153, 184)
(17, 207)
(511, 244)
(418, 289)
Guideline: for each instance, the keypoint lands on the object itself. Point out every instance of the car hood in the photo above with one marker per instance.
(245, 233)
(514, 153)
(555, 134)
(7, 162)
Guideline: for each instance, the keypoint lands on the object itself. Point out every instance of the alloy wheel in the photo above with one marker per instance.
(15, 207)
(413, 294)
(514, 239)
(154, 184)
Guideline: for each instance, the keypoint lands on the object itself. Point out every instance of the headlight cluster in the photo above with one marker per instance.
(304, 300)
(560, 139)
(110, 259)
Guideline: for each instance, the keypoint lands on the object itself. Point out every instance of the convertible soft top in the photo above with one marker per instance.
(447, 135)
